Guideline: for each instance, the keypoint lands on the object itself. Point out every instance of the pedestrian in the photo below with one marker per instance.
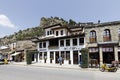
(60, 60)
(10, 59)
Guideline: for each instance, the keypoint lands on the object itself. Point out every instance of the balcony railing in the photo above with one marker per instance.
(53, 47)
(106, 38)
(92, 39)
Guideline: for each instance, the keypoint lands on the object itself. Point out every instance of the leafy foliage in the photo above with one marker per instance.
(29, 33)
(71, 22)
(52, 21)
(84, 52)
(29, 57)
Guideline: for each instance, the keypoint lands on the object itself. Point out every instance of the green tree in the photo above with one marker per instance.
(84, 52)
(71, 22)
(29, 57)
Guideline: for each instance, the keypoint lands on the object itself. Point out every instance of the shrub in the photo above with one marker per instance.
(29, 57)
(84, 55)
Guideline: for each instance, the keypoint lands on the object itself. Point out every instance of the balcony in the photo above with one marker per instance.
(92, 39)
(106, 38)
(53, 47)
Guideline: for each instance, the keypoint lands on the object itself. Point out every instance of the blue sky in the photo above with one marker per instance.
(17, 15)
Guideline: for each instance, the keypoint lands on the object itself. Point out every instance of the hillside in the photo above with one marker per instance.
(35, 31)
(22, 35)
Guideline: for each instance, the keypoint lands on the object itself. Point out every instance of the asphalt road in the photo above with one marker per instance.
(18, 72)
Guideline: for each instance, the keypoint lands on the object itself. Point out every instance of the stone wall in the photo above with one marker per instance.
(114, 30)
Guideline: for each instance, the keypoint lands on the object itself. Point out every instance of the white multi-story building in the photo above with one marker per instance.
(65, 41)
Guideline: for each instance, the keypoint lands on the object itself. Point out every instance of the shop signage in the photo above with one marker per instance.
(42, 49)
(107, 49)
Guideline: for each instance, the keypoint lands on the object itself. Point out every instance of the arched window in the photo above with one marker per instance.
(107, 35)
(93, 36)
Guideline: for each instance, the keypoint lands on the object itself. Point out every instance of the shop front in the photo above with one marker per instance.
(68, 57)
(17, 56)
(108, 52)
(93, 57)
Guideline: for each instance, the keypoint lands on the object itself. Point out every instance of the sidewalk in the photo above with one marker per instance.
(48, 65)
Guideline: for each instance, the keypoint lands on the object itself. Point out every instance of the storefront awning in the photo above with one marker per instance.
(3, 47)
(108, 43)
(16, 53)
(11, 52)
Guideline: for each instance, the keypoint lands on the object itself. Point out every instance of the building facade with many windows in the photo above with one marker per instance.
(65, 41)
(103, 41)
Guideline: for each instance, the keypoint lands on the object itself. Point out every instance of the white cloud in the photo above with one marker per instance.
(5, 21)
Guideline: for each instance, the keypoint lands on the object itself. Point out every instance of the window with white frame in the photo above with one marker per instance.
(44, 44)
(40, 45)
(68, 42)
(61, 32)
(75, 42)
(81, 41)
(50, 32)
(61, 42)
(47, 32)
(57, 33)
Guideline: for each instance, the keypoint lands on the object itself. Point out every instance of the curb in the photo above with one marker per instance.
(59, 67)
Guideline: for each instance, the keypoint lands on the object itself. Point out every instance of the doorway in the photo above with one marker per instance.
(45, 57)
(75, 57)
(108, 57)
(80, 59)
(51, 56)
(56, 57)
(94, 56)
